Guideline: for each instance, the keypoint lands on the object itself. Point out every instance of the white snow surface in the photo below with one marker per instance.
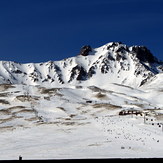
(79, 122)
(47, 113)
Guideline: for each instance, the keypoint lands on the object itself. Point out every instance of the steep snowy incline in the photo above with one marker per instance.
(113, 62)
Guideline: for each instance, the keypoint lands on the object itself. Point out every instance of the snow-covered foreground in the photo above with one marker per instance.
(102, 137)
(80, 122)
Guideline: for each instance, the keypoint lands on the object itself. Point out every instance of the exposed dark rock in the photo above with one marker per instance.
(82, 74)
(113, 45)
(92, 71)
(74, 72)
(85, 50)
(122, 49)
(146, 79)
(118, 57)
(78, 72)
(105, 69)
(17, 72)
(48, 76)
(143, 54)
(110, 57)
(59, 74)
(160, 68)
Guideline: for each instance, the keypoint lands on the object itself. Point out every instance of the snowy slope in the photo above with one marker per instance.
(111, 62)
(79, 122)
(73, 108)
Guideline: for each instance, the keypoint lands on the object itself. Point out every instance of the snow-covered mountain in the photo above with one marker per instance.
(103, 103)
(113, 62)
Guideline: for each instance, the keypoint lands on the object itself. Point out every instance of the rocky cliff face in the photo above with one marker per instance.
(112, 63)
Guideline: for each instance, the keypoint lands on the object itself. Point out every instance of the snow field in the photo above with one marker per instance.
(130, 133)
(78, 122)
(100, 137)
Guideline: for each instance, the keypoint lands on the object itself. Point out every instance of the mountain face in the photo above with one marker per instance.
(111, 63)
(81, 107)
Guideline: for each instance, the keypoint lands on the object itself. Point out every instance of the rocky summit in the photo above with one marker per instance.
(114, 62)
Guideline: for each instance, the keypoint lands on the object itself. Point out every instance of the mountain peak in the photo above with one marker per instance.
(114, 62)
(141, 52)
(84, 51)
(144, 54)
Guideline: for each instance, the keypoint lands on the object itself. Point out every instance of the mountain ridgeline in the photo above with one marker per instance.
(112, 63)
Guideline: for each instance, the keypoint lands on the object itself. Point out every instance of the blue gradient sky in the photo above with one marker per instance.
(43, 30)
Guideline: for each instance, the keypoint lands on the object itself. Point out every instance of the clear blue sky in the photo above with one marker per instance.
(43, 30)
